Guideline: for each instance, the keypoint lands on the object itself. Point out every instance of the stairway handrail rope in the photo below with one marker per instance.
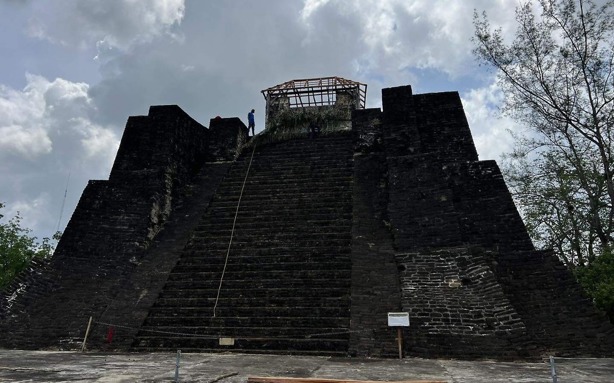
(232, 232)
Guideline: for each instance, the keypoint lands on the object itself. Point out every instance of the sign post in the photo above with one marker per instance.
(399, 320)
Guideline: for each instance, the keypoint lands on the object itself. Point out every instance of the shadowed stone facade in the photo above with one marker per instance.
(332, 233)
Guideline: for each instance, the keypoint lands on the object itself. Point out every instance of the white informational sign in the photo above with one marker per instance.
(398, 319)
(227, 341)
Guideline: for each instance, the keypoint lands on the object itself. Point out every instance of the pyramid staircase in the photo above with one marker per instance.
(286, 284)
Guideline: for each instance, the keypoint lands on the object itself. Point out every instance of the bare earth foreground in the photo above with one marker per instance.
(56, 366)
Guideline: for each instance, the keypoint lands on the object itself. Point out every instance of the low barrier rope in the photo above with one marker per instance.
(157, 331)
(232, 232)
(306, 336)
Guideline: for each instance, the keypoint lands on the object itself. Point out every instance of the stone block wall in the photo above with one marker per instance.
(434, 232)
(375, 285)
(488, 215)
(421, 208)
(127, 309)
(226, 135)
(443, 128)
(400, 132)
(440, 194)
(456, 305)
(505, 300)
(114, 223)
(558, 315)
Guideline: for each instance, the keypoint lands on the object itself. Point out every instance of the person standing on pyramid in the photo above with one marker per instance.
(251, 123)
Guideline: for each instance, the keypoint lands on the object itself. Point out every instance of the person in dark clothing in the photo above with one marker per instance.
(314, 130)
(251, 123)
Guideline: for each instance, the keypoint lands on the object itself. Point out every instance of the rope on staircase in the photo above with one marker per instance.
(232, 232)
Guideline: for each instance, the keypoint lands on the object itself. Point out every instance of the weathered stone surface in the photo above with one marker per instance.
(332, 233)
(64, 366)
(281, 267)
(109, 235)
(470, 278)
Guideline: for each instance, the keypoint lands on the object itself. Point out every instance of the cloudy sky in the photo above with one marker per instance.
(73, 71)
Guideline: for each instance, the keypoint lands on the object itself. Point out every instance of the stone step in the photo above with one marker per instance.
(307, 213)
(250, 231)
(240, 236)
(283, 193)
(271, 187)
(247, 322)
(251, 332)
(300, 146)
(235, 299)
(223, 310)
(321, 292)
(276, 201)
(222, 216)
(299, 182)
(290, 220)
(249, 262)
(233, 188)
(259, 222)
(261, 227)
(322, 171)
(259, 284)
(204, 264)
(273, 223)
(274, 204)
(338, 154)
(270, 344)
(217, 250)
(263, 188)
(315, 170)
(240, 254)
(236, 253)
(255, 243)
(289, 171)
(269, 163)
(331, 152)
(249, 219)
(336, 176)
(286, 274)
(300, 149)
(235, 265)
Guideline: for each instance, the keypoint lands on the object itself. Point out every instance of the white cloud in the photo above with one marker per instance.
(210, 58)
(98, 141)
(491, 130)
(47, 132)
(22, 125)
(33, 211)
(29, 142)
(118, 23)
(393, 37)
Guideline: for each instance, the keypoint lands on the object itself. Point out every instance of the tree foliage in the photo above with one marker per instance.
(598, 281)
(18, 248)
(557, 76)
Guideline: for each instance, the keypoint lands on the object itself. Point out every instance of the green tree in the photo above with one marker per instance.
(557, 76)
(598, 281)
(18, 248)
